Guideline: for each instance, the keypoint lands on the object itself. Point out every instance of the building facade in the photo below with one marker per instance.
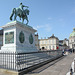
(72, 39)
(63, 44)
(1, 38)
(66, 42)
(51, 43)
(37, 41)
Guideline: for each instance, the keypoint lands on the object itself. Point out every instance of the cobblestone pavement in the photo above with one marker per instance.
(60, 67)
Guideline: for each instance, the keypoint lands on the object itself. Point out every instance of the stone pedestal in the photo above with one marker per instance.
(18, 37)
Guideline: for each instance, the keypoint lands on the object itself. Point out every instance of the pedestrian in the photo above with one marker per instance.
(73, 50)
(63, 52)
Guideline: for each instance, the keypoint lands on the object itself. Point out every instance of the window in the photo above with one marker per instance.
(45, 42)
(53, 41)
(49, 41)
(46, 47)
(53, 47)
(42, 42)
(50, 47)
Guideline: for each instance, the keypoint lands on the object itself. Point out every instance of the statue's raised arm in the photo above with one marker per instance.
(25, 6)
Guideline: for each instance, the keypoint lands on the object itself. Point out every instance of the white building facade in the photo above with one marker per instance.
(52, 43)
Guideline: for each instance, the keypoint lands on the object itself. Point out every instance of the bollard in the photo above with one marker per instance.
(71, 71)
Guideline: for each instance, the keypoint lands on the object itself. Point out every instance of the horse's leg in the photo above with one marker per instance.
(22, 20)
(27, 20)
(15, 17)
(12, 13)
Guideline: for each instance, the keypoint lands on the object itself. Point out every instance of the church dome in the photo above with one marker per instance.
(73, 33)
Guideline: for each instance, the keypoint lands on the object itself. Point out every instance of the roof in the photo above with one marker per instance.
(61, 41)
(52, 37)
(73, 33)
(66, 39)
(1, 32)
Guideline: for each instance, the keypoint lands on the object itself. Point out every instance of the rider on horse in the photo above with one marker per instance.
(21, 6)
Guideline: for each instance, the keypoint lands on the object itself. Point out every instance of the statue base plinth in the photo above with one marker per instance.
(18, 37)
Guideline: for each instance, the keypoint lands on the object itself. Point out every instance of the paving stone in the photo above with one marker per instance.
(62, 67)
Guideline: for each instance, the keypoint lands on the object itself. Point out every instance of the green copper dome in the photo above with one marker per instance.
(73, 33)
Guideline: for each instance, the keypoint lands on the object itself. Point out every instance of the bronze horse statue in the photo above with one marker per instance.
(22, 14)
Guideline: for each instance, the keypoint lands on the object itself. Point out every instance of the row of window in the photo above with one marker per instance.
(72, 40)
(48, 47)
(48, 42)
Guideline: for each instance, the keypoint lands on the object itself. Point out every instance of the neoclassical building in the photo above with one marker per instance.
(72, 39)
(51, 43)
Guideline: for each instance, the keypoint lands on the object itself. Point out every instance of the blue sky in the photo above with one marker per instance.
(47, 16)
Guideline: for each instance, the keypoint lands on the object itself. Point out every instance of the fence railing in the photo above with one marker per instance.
(20, 61)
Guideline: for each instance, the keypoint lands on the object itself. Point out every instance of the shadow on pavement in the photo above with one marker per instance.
(38, 70)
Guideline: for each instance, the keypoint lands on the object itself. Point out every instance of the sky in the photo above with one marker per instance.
(46, 16)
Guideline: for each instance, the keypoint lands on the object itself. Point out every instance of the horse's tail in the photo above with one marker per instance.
(13, 11)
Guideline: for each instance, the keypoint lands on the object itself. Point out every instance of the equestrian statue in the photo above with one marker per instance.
(22, 13)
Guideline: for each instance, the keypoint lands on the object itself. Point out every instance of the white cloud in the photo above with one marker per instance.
(46, 27)
(49, 18)
(38, 27)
